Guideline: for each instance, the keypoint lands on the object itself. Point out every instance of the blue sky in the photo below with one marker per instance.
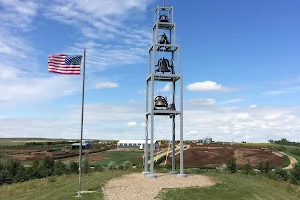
(240, 62)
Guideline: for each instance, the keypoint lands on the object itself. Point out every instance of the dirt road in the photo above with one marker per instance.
(292, 161)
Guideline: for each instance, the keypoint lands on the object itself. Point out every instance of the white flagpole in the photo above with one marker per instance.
(82, 106)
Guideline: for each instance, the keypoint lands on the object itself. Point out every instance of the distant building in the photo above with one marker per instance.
(207, 140)
(84, 145)
(87, 141)
(136, 144)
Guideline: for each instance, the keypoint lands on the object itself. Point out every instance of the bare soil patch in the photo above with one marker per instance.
(138, 186)
(213, 156)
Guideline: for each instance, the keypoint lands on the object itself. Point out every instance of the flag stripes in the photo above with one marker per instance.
(64, 64)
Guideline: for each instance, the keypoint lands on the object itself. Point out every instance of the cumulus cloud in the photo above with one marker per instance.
(103, 22)
(17, 14)
(105, 121)
(200, 102)
(205, 86)
(253, 106)
(166, 88)
(107, 84)
(131, 124)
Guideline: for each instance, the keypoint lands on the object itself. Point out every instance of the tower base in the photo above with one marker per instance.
(181, 175)
(151, 175)
(145, 173)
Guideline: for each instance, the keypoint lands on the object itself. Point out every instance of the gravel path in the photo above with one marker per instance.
(292, 161)
(139, 187)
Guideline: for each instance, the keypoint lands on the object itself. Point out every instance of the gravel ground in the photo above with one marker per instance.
(139, 187)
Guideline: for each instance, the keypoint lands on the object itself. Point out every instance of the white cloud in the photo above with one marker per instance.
(18, 91)
(167, 88)
(253, 106)
(102, 22)
(200, 102)
(271, 116)
(283, 91)
(205, 86)
(131, 124)
(107, 84)
(231, 101)
(17, 14)
(105, 121)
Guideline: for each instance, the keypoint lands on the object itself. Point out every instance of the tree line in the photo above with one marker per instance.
(284, 141)
(12, 171)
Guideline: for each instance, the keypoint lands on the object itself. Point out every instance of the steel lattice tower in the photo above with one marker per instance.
(163, 23)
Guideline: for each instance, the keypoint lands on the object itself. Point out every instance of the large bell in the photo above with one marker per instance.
(160, 102)
(163, 65)
(163, 18)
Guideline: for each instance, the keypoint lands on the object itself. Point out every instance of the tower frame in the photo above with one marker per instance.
(171, 48)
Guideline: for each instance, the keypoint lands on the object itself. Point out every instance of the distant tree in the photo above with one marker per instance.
(281, 174)
(5, 177)
(73, 167)
(21, 175)
(13, 166)
(85, 166)
(231, 166)
(46, 167)
(60, 168)
(264, 167)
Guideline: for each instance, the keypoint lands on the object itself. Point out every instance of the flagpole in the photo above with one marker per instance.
(82, 106)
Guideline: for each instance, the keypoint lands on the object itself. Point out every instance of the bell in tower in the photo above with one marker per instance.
(163, 40)
(163, 65)
(160, 102)
(164, 18)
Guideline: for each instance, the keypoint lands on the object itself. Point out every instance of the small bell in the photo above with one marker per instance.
(163, 18)
(163, 65)
(160, 102)
(172, 107)
(163, 39)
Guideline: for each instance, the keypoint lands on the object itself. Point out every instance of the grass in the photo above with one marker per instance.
(288, 151)
(121, 156)
(237, 186)
(63, 187)
(228, 186)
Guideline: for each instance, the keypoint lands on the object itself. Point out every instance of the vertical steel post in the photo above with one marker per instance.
(152, 130)
(81, 131)
(146, 132)
(181, 129)
(173, 133)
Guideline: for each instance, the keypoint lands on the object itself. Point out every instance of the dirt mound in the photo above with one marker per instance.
(216, 156)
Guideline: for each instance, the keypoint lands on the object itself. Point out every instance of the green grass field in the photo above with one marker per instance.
(64, 187)
(288, 151)
(121, 156)
(228, 187)
(237, 186)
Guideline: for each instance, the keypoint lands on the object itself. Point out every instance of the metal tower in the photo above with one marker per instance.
(166, 70)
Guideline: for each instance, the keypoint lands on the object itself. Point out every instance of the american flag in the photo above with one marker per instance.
(64, 64)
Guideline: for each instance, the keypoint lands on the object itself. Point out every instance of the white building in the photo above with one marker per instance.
(137, 144)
